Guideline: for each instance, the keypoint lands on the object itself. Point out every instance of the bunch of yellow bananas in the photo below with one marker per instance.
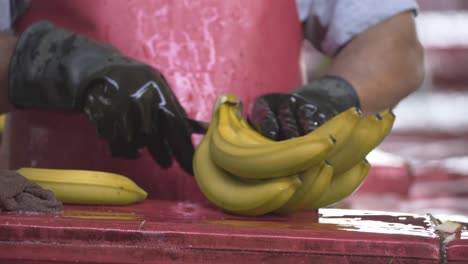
(243, 172)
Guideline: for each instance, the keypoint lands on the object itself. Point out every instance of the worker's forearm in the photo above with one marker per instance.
(7, 44)
(384, 64)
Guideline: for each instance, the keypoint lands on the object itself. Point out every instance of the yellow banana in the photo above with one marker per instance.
(243, 172)
(341, 127)
(237, 126)
(233, 133)
(251, 159)
(366, 136)
(343, 185)
(2, 123)
(86, 187)
(271, 205)
(315, 182)
(230, 125)
(234, 194)
(246, 134)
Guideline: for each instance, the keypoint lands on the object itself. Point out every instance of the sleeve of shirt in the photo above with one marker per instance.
(5, 17)
(10, 10)
(341, 20)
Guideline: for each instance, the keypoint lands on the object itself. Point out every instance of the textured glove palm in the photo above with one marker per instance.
(282, 116)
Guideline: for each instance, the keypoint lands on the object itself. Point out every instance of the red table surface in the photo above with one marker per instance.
(171, 231)
(457, 250)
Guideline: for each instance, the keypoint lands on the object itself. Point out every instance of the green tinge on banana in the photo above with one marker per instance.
(86, 187)
(229, 192)
(315, 182)
(343, 185)
(366, 136)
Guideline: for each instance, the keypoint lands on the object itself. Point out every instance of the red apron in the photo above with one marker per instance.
(204, 47)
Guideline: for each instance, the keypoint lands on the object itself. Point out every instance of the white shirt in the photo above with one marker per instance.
(343, 19)
(5, 18)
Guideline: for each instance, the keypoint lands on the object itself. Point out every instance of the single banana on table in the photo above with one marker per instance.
(86, 187)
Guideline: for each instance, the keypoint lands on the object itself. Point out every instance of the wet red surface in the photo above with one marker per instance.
(163, 231)
(457, 250)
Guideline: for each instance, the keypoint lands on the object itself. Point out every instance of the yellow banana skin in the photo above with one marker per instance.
(2, 123)
(230, 127)
(245, 173)
(315, 182)
(86, 187)
(266, 159)
(343, 185)
(242, 129)
(366, 136)
(341, 127)
(272, 205)
(234, 194)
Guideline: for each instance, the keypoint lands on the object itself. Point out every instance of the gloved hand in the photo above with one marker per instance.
(131, 103)
(282, 116)
(20, 194)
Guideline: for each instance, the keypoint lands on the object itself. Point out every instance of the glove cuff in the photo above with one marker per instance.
(334, 90)
(51, 68)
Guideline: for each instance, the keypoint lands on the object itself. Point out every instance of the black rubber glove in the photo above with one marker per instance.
(282, 116)
(131, 103)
